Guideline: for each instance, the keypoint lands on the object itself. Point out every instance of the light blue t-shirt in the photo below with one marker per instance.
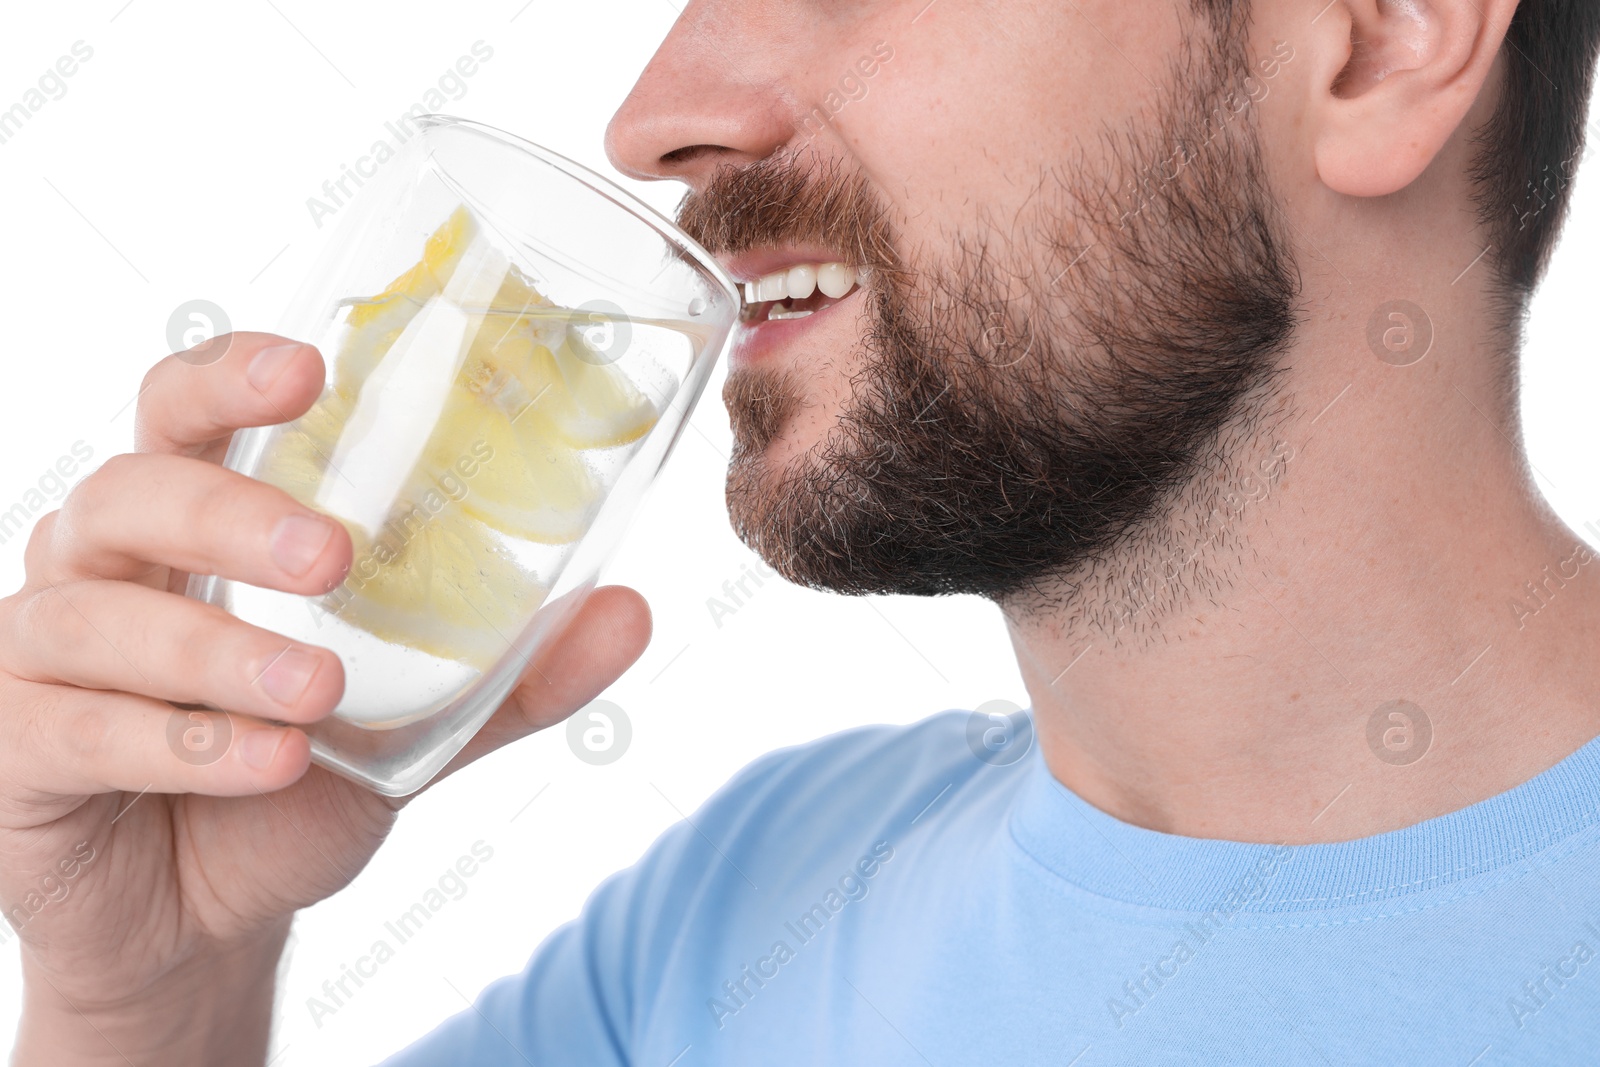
(885, 897)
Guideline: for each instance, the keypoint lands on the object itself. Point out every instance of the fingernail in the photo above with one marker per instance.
(258, 748)
(297, 541)
(287, 676)
(268, 364)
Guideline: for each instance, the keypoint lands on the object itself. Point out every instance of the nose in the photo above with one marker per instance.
(707, 99)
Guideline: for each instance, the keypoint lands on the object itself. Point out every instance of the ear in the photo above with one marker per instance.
(1395, 80)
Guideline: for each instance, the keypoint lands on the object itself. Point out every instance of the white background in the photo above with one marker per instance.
(178, 165)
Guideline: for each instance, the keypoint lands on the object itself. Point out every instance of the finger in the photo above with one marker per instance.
(127, 637)
(191, 402)
(605, 638)
(63, 741)
(137, 512)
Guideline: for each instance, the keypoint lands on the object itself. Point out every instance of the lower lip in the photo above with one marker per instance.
(761, 340)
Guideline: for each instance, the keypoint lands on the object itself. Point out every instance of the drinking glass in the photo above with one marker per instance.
(513, 344)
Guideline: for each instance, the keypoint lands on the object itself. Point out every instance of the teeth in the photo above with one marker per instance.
(835, 280)
(771, 287)
(801, 281)
(778, 314)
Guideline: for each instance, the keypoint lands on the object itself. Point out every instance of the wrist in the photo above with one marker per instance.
(213, 1008)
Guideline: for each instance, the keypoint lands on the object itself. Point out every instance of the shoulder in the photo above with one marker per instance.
(795, 823)
(814, 822)
(830, 782)
(822, 804)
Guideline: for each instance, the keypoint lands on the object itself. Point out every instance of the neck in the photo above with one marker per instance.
(1235, 676)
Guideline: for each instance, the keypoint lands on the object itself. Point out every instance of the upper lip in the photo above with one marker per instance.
(759, 262)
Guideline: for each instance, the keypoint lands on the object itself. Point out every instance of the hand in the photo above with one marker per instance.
(151, 894)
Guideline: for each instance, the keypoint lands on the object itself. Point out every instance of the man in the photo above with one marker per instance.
(1187, 332)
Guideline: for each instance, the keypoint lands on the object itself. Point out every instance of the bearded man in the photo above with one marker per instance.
(1184, 330)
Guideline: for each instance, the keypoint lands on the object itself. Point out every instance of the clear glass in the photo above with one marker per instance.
(513, 345)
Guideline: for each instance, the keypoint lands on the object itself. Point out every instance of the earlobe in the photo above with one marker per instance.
(1410, 72)
(1377, 148)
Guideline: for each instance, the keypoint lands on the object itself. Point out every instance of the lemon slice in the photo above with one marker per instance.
(519, 295)
(375, 324)
(592, 404)
(441, 584)
(298, 458)
(433, 578)
(579, 400)
(521, 483)
(598, 406)
(426, 277)
(502, 452)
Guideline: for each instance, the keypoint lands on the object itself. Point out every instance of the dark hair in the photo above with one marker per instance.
(1528, 152)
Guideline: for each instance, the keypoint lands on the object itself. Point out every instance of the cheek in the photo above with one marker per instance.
(980, 101)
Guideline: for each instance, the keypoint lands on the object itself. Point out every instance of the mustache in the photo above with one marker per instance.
(787, 199)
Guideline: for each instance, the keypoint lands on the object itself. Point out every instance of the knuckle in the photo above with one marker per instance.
(43, 724)
(94, 492)
(99, 483)
(152, 378)
(30, 618)
(41, 540)
(48, 621)
(152, 401)
(75, 734)
(15, 633)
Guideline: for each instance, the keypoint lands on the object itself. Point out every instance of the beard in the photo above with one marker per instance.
(1032, 417)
